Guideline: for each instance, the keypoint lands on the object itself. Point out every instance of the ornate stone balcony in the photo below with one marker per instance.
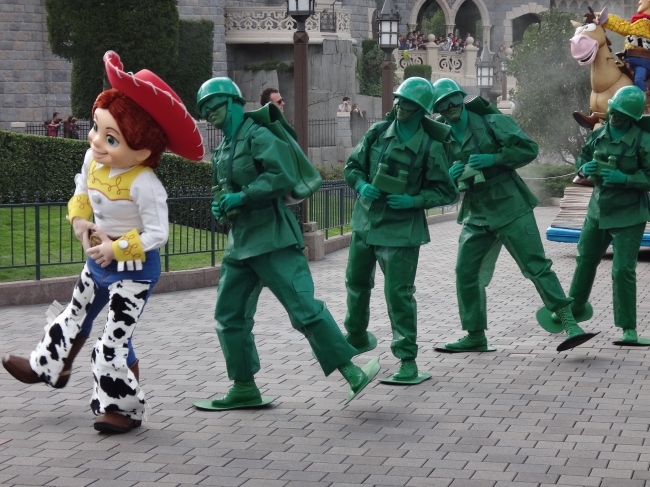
(271, 25)
(461, 67)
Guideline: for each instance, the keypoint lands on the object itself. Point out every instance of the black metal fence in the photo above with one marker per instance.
(34, 233)
(322, 132)
(83, 127)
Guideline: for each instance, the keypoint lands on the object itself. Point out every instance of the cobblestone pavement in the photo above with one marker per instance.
(522, 416)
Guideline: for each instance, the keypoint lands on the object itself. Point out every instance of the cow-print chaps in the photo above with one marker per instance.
(47, 359)
(115, 387)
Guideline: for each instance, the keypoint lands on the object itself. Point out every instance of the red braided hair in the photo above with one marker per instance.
(139, 129)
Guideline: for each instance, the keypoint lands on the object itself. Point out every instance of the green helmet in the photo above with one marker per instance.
(445, 87)
(218, 87)
(417, 90)
(629, 100)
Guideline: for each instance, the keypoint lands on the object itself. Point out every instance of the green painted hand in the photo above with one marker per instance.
(481, 161)
(455, 171)
(613, 177)
(230, 201)
(590, 168)
(400, 201)
(369, 192)
(216, 210)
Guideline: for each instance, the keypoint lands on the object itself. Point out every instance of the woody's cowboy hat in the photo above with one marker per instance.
(155, 97)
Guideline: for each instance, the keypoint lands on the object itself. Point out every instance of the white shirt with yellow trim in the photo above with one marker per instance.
(126, 199)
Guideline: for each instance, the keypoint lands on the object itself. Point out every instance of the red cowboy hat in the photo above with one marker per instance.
(162, 103)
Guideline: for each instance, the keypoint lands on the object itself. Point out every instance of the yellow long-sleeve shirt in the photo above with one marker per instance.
(637, 33)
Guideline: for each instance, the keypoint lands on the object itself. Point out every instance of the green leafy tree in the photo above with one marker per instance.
(434, 24)
(143, 32)
(369, 68)
(551, 85)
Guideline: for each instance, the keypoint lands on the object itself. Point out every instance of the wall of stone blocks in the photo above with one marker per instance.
(33, 82)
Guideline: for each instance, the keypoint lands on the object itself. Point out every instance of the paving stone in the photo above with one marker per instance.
(524, 416)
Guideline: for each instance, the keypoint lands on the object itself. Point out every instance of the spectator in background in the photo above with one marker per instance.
(272, 95)
(345, 106)
(53, 125)
(401, 43)
(356, 111)
(70, 128)
(478, 45)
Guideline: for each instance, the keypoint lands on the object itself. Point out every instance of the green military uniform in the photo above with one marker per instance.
(617, 212)
(487, 148)
(264, 248)
(391, 236)
(496, 213)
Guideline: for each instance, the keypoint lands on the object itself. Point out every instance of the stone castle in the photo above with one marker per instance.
(34, 83)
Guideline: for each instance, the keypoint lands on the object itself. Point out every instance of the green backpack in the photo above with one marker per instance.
(309, 179)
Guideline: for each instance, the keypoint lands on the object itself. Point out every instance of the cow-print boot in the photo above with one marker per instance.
(116, 388)
(115, 422)
(51, 361)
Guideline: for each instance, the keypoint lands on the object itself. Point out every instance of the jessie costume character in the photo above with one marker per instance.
(133, 124)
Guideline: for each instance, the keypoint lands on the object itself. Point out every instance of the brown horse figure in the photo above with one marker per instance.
(590, 46)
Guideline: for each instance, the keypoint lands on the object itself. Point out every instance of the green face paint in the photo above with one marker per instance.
(405, 108)
(618, 119)
(217, 116)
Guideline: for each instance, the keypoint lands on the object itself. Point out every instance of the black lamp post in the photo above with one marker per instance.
(301, 10)
(485, 72)
(388, 30)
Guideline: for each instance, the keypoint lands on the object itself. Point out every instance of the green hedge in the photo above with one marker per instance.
(417, 70)
(194, 65)
(33, 163)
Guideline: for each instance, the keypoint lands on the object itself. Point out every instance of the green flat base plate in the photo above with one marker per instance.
(206, 404)
(575, 341)
(550, 325)
(371, 369)
(641, 342)
(372, 344)
(422, 376)
(447, 350)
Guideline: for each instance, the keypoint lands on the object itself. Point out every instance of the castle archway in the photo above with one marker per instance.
(516, 13)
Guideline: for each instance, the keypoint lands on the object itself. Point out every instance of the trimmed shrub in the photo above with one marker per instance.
(417, 70)
(194, 64)
(547, 181)
(32, 163)
(143, 32)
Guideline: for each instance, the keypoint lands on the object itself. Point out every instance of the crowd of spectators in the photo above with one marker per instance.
(416, 41)
(70, 126)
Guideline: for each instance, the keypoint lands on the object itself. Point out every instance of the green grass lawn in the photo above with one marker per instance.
(62, 252)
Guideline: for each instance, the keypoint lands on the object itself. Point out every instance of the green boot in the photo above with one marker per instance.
(358, 378)
(407, 370)
(630, 336)
(475, 341)
(632, 339)
(241, 394)
(575, 335)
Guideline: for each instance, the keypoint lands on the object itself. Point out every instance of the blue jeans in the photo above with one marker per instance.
(104, 277)
(641, 68)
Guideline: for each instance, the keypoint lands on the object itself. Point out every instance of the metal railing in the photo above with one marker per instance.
(83, 127)
(34, 233)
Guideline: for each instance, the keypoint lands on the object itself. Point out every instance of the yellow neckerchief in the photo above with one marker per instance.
(116, 187)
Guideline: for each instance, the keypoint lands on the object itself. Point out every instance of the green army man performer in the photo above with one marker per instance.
(264, 246)
(618, 211)
(495, 212)
(399, 169)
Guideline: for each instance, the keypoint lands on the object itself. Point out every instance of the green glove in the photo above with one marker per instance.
(590, 168)
(455, 171)
(400, 201)
(613, 177)
(481, 161)
(369, 192)
(230, 201)
(216, 210)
